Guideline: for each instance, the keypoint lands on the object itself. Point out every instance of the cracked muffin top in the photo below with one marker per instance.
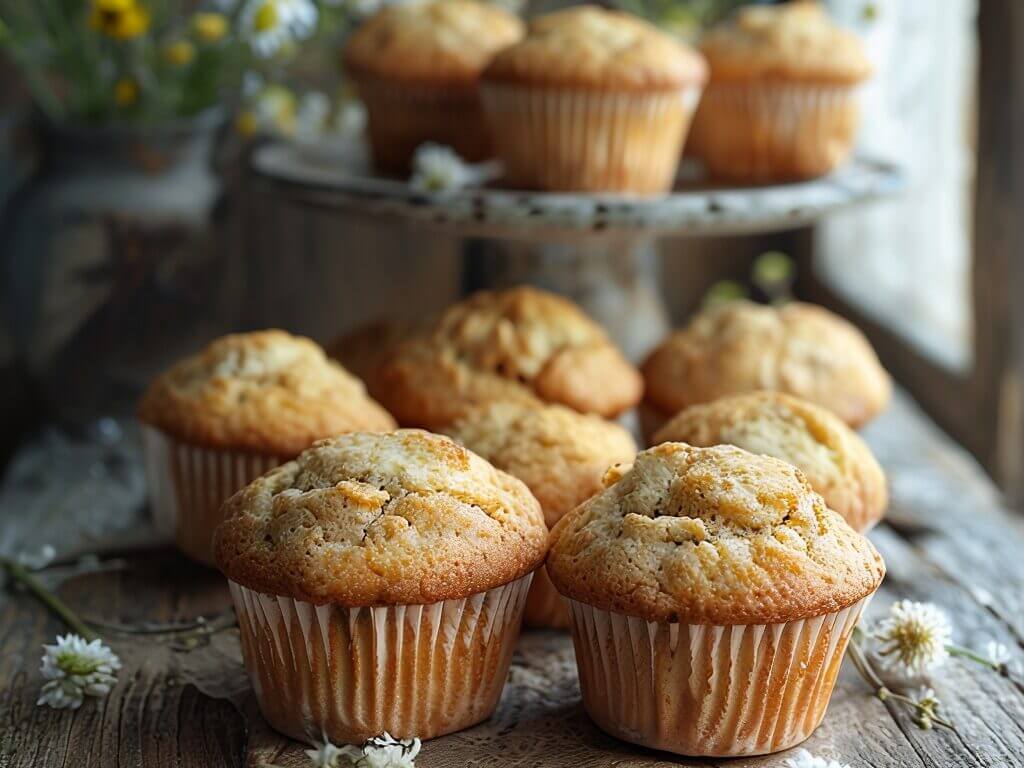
(593, 48)
(711, 536)
(560, 454)
(790, 41)
(837, 462)
(398, 518)
(435, 41)
(266, 392)
(800, 349)
(522, 345)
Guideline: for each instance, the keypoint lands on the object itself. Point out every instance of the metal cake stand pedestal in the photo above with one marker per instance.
(598, 249)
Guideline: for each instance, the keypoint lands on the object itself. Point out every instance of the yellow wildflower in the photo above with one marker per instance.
(179, 53)
(210, 27)
(246, 123)
(126, 92)
(119, 19)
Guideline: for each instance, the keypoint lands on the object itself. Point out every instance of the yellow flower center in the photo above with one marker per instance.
(266, 17)
(119, 19)
(179, 53)
(126, 92)
(210, 27)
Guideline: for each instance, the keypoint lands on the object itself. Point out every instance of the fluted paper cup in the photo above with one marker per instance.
(588, 141)
(705, 690)
(764, 132)
(188, 484)
(545, 608)
(401, 117)
(353, 673)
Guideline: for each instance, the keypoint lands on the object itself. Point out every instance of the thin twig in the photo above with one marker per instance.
(58, 607)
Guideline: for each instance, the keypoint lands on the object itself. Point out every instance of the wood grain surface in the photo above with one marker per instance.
(183, 699)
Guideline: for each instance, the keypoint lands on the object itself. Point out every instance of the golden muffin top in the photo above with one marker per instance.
(837, 462)
(800, 349)
(791, 41)
(560, 454)
(592, 48)
(398, 518)
(266, 392)
(435, 40)
(711, 536)
(522, 345)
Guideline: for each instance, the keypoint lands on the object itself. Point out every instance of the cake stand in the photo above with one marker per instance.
(600, 250)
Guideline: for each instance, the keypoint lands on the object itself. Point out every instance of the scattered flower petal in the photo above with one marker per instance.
(438, 169)
(804, 759)
(913, 637)
(75, 669)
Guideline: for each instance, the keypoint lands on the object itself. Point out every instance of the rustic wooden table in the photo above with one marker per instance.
(182, 698)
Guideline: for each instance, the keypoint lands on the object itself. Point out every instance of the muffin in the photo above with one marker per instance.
(243, 405)
(713, 595)
(800, 349)
(379, 582)
(362, 350)
(592, 101)
(561, 455)
(521, 345)
(416, 67)
(837, 462)
(781, 103)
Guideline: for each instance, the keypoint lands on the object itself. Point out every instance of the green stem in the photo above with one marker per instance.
(23, 576)
(967, 653)
(883, 693)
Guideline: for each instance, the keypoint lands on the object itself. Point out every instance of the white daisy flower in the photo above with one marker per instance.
(275, 110)
(75, 669)
(384, 752)
(804, 759)
(311, 116)
(270, 25)
(913, 637)
(438, 169)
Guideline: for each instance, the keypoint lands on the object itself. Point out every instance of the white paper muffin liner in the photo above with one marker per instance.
(705, 690)
(588, 141)
(763, 132)
(353, 673)
(187, 486)
(402, 116)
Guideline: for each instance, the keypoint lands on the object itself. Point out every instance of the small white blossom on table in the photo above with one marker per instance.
(382, 751)
(74, 669)
(913, 638)
(804, 759)
(438, 169)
